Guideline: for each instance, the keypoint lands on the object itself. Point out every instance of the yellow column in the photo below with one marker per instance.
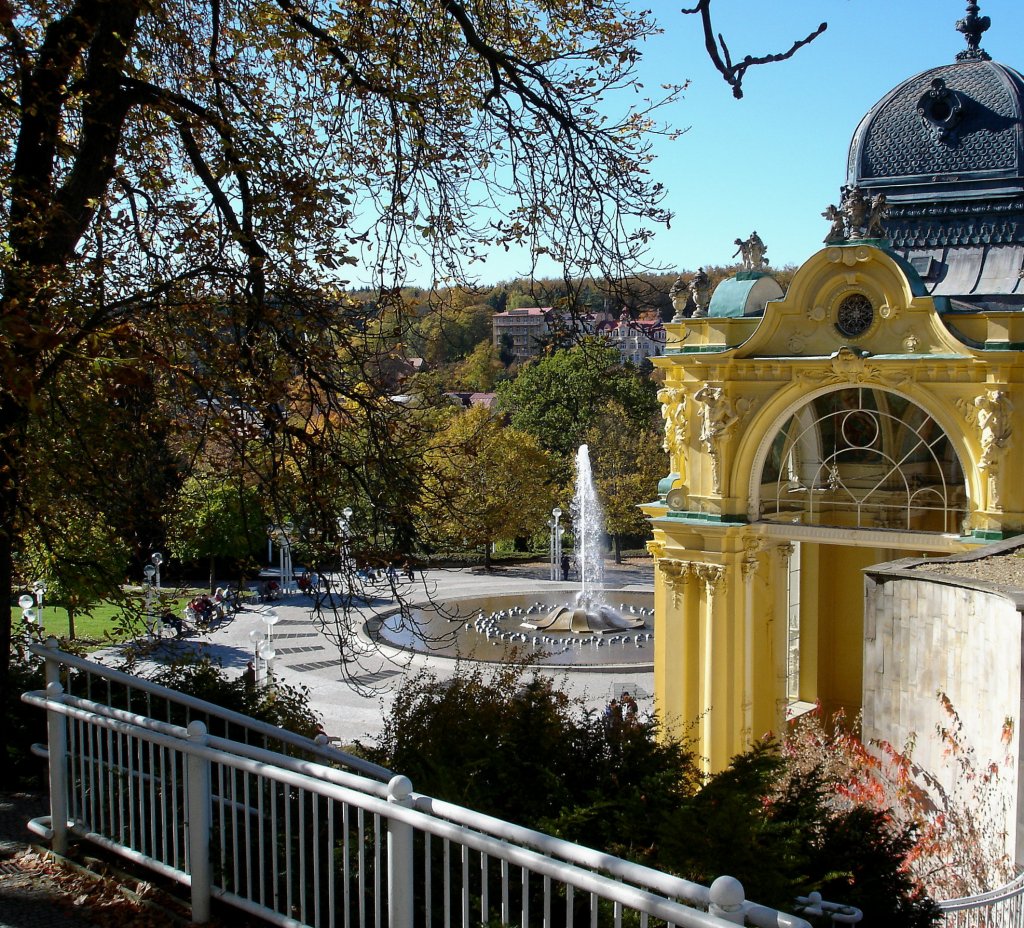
(780, 639)
(749, 566)
(712, 577)
(678, 657)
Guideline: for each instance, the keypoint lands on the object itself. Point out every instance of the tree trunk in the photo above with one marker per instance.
(13, 424)
(213, 573)
(617, 541)
(71, 623)
(487, 555)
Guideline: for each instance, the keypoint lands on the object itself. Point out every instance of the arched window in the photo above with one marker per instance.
(861, 457)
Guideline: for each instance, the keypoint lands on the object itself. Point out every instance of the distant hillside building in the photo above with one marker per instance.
(468, 400)
(527, 328)
(635, 340)
(531, 328)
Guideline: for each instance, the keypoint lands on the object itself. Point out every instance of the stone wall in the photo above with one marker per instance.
(927, 633)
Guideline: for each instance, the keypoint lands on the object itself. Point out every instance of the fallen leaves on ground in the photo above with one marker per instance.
(100, 899)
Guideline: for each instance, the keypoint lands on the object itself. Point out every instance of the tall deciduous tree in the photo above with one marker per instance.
(558, 398)
(215, 517)
(627, 461)
(182, 185)
(487, 483)
(79, 563)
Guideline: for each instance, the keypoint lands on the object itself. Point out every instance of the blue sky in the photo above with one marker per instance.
(775, 159)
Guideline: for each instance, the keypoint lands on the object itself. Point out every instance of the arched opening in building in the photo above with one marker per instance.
(865, 458)
(852, 477)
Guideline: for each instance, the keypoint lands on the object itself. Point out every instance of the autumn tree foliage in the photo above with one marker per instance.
(479, 738)
(557, 398)
(486, 482)
(185, 187)
(628, 462)
(955, 818)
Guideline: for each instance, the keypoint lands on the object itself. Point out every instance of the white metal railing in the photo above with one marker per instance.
(299, 843)
(114, 687)
(999, 908)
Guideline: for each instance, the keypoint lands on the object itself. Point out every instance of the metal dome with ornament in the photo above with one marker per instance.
(945, 148)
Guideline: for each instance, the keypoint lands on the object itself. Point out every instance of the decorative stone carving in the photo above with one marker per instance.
(718, 418)
(700, 293)
(656, 549)
(941, 111)
(673, 411)
(973, 27)
(676, 574)
(712, 575)
(847, 364)
(857, 216)
(680, 297)
(752, 252)
(837, 233)
(784, 552)
(752, 546)
(993, 420)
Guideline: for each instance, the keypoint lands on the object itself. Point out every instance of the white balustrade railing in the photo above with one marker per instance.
(297, 842)
(999, 908)
(110, 686)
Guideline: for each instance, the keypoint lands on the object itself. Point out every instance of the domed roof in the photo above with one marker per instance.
(744, 295)
(940, 161)
(943, 131)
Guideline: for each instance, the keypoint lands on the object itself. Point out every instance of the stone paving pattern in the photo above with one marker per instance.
(353, 698)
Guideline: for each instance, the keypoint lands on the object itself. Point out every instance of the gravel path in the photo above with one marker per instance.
(1002, 570)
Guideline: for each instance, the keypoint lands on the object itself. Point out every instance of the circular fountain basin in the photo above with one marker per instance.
(503, 627)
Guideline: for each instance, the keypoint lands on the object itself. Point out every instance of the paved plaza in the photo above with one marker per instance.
(353, 697)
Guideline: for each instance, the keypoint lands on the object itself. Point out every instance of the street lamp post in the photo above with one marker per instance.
(264, 653)
(344, 531)
(556, 543)
(39, 590)
(150, 572)
(28, 614)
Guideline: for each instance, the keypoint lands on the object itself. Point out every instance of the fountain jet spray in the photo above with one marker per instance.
(588, 527)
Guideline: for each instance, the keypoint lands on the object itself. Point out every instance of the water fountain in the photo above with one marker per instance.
(590, 613)
(585, 632)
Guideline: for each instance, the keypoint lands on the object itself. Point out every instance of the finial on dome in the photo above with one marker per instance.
(972, 26)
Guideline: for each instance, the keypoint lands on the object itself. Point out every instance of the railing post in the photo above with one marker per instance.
(51, 665)
(726, 899)
(400, 858)
(57, 748)
(198, 824)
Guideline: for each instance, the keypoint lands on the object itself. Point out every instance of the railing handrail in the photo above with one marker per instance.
(566, 850)
(498, 848)
(84, 709)
(1014, 887)
(264, 729)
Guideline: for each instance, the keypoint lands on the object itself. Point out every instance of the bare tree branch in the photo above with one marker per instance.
(718, 51)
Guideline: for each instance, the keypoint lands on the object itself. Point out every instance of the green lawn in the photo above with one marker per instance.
(97, 626)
